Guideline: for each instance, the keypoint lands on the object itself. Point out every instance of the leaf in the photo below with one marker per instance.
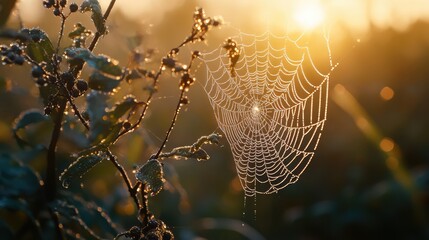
(113, 135)
(121, 108)
(101, 63)
(78, 168)
(187, 152)
(16, 205)
(14, 35)
(195, 151)
(26, 118)
(41, 51)
(92, 213)
(69, 211)
(6, 8)
(151, 174)
(17, 180)
(96, 16)
(79, 31)
(102, 83)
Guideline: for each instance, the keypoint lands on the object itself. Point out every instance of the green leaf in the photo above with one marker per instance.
(101, 63)
(78, 168)
(112, 136)
(25, 119)
(6, 8)
(151, 174)
(41, 51)
(96, 16)
(102, 83)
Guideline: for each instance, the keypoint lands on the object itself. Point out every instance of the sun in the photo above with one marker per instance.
(309, 15)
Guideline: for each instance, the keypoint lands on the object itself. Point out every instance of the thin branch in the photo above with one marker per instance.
(132, 190)
(173, 122)
(60, 37)
(144, 210)
(97, 34)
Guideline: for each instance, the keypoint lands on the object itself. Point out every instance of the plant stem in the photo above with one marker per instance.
(144, 210)
(97, 34)
(132, 190)
(51, 176)
(173, 122)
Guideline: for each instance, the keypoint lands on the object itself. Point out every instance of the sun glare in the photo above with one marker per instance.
(309, 15)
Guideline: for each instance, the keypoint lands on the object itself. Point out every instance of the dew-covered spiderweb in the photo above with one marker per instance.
(271, 107)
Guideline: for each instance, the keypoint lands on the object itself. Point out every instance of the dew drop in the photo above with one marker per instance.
(65, 184)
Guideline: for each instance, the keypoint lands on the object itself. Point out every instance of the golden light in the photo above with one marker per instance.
(387, 144)
(387, 93)
(309, 15)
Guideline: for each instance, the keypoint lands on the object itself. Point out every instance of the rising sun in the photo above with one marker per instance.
(309, 15)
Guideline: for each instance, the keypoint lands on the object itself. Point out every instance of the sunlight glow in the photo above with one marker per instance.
(309, 15)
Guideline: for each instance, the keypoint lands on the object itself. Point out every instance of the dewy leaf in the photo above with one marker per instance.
(151, 174)
(101, 63)
(186, 152)
(41, 51)
(26, 118)
(112, 136)
(78, 168)
(79, 31)
(96, 16)
(102, 83)
(121, 108)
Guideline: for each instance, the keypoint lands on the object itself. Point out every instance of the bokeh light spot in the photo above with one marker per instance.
(387, 144)
(387, 93)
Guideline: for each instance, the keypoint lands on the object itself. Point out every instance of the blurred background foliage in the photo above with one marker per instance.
(368, 180)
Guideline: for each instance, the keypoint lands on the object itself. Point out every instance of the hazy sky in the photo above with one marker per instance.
(356, 14)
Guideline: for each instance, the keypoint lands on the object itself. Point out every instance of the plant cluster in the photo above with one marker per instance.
(57, 73)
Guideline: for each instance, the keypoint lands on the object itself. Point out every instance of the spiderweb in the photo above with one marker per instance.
(272, 108)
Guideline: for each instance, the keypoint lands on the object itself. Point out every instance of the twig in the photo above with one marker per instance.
(173, 122)
(132, 190)
(144, 210)
(60, 37)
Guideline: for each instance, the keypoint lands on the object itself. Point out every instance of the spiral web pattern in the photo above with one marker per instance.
(272, 109)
